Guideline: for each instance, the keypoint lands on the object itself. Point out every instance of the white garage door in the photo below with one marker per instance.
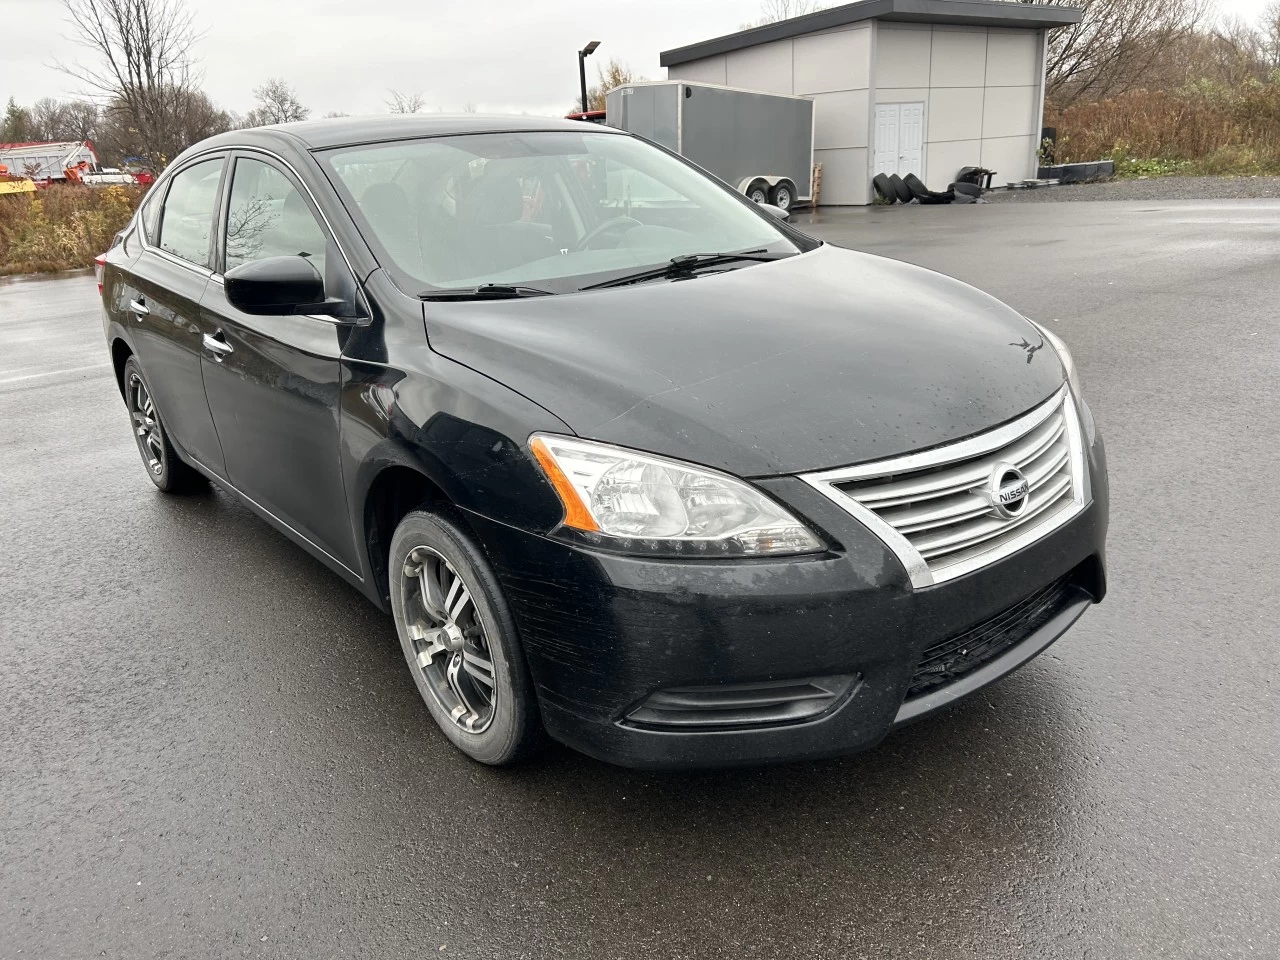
(899, 139)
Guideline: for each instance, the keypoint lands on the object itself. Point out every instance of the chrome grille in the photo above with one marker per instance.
(934, 508)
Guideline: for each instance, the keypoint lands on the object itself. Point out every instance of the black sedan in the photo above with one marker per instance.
(632, 462)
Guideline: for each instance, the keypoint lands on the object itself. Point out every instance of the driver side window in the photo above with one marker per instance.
(267, 216)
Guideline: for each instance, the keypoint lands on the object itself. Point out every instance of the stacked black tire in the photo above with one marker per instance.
(891, 188)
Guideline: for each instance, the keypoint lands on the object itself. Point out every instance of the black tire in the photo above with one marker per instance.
(758, 191)
(163, 464)
(883, 187)
(915, 186)
(905, 193)
(513, 727)
(783, 195)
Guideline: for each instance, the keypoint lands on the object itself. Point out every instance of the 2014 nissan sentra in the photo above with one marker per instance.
(632, 462)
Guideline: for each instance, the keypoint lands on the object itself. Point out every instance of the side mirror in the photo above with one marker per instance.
(778, 212)
(276, 286)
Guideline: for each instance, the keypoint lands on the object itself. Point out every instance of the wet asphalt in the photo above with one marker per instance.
(209, 745)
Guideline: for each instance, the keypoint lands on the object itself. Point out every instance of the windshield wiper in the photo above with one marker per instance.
(685, 265)
(486, 291)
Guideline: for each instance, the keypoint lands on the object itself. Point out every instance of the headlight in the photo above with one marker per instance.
(1064, 355)
(639, 503)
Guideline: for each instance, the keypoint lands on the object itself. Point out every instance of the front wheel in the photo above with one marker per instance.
(460, 642)
(758, 191)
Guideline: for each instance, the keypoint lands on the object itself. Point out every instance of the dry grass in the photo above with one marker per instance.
(1201, 129)
(62, 227)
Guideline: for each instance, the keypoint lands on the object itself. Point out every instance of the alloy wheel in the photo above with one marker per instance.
(146, 425)
(449, 640)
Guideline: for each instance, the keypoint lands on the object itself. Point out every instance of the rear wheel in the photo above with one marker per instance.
(783, 195)
(163, 465)
(459, 640)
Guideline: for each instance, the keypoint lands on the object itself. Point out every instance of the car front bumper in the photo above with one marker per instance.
(602, 633)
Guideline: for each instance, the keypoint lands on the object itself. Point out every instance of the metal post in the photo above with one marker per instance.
(582, 78)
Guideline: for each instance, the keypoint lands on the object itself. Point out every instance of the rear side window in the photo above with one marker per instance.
(150, 215)
(187, 219)
(268, 217)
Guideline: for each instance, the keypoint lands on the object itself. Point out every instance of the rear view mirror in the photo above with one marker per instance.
(776, 211)
(276, 286)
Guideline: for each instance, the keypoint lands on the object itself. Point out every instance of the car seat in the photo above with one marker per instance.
(386, 207)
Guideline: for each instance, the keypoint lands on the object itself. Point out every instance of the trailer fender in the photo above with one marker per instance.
(758, 188)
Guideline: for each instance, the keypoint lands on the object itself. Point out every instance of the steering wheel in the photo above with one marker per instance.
(618, 225)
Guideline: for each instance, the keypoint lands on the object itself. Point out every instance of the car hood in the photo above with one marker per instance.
(819, 360)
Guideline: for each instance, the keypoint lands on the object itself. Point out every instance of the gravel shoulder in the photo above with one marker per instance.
(1151, 188)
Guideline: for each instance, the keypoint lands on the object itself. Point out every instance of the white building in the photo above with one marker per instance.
(900, 86)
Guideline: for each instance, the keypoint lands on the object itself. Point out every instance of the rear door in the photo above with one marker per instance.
(166, 283)
(273, 382)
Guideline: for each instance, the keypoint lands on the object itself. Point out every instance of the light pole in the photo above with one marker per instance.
(585, 52)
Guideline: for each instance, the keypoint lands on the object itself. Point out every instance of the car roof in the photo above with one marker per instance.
(344, 131)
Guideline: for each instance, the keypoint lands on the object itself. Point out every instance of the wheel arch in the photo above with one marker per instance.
(394, 491)
(120, 354)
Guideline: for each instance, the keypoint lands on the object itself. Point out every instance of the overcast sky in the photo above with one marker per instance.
(500, 55)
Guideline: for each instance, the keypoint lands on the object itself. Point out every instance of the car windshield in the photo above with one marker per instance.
(553, 210)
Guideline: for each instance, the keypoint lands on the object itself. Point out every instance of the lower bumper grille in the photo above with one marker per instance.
(952, 658)
(740, 704)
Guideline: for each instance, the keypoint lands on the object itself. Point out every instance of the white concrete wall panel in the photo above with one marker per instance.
(902, 56)
(955, 113)
(1013, 58)
(902, 94)
(706, 70)
(1009, 157)
(958, 58)
(1009, 111)
(827, 62)
(942, 161)
(844, 176)
(766, 67)
(841, 119)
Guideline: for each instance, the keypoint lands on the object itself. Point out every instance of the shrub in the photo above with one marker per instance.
(1201, 128)
(61, 227)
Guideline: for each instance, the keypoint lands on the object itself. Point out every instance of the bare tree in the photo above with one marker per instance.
(611, 75)
(405, 102)
(142, 53)
(1114, 45)
(771, 11)
(469, 108)
(1269, 29)
(193, 116)
(63, 119)
(277, 103)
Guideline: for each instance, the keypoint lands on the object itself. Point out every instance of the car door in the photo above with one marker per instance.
(272, 382)
(165, 285)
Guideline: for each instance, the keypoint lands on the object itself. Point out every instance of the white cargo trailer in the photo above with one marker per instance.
(761, 144)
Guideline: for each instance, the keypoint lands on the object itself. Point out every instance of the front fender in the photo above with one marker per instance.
(461, 431)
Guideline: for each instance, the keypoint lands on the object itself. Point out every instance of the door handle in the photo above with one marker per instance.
(217, 346)
(139, 308)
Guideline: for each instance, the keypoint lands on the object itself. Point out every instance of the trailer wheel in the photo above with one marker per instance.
(758, 191)
(783, 195)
